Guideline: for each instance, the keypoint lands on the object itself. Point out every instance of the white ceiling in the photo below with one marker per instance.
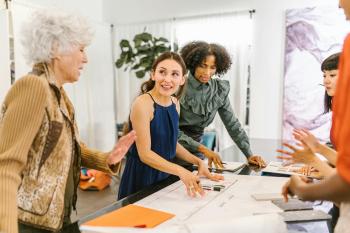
(126, 11)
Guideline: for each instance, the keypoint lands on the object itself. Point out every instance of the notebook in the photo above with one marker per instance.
(130, 216)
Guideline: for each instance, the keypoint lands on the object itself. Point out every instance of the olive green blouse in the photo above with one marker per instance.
(199, 106)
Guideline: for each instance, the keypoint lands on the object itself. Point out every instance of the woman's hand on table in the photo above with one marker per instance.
(257, 161)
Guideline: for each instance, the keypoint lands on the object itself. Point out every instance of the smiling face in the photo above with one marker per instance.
(330, 78)
(168, 77)
(205, 71)
(70, 64)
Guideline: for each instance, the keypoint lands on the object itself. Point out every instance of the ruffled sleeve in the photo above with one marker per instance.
(187, 142)
(218, 93)
(231, 122)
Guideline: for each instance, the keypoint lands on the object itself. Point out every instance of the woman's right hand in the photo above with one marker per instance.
(191, 181)
(121, 148)
(307, 139)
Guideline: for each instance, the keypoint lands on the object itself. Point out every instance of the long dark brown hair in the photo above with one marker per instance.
(149, 85)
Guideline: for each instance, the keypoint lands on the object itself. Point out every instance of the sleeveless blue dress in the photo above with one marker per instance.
(164, 131)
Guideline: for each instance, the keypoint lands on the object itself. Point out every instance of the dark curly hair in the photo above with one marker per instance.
(195, 52)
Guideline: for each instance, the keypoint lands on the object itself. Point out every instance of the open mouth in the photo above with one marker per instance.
(166, 87)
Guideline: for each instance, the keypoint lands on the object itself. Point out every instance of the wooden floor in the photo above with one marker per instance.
(90, 201)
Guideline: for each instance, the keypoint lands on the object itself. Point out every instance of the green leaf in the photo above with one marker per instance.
(146, 63)
(161, 49)
(163, 39)
(160, 43)
(123, 55)
(141, 55)
(135, 67)
(140, 73)
(145, 59)
(144, 48)
(137, 42)
(124, 44)
(129, 59)
(146, 36)
(119, 63)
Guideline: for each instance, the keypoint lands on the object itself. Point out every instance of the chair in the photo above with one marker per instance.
(208, 139)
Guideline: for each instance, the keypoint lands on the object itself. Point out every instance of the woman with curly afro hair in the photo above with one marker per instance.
(204, 97)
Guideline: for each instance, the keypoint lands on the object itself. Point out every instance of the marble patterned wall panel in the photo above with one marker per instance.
(312, 34)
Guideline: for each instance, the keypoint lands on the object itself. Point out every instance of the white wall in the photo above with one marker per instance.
(5, 79)
(92, 9)
(268, 45)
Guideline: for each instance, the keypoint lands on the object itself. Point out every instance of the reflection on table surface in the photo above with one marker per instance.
(264, 147)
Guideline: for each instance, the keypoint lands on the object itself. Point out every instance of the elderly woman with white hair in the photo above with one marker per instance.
(40, 149)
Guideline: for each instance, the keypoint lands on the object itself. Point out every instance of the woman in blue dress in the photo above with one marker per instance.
(155, 117)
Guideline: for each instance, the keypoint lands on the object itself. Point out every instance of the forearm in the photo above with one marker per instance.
(95, 159)
(202, 149)
(236, 131)
(333, 188)
(242, 141)
(155, 161)
(328, 153)
(185, 155)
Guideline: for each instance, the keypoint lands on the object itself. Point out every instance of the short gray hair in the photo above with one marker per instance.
(49, 28)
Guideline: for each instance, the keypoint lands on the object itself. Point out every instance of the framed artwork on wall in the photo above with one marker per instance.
(312, 34)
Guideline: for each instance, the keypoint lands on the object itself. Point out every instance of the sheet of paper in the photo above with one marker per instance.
(278, 167)
(275, 167)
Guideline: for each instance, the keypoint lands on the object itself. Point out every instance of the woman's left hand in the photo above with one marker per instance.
(204, 171)
(303, 155)
(256, 160)
(121, 147)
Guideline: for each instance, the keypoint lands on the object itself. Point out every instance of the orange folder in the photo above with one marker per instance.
(131, 216)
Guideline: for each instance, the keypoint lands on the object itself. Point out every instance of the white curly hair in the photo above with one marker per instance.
(53, 28)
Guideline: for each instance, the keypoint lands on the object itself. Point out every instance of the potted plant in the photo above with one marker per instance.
(140, 56)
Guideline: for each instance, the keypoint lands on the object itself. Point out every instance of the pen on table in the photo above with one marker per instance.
(140, 226)
(215, 188)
